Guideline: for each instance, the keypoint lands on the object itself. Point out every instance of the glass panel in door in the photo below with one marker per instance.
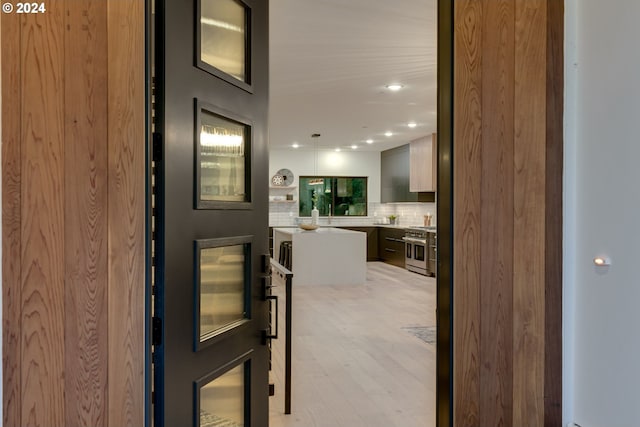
(223, 35)
(223, 282)
(222, 160)
(222, 400)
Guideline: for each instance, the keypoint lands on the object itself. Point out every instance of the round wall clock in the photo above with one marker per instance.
(287, 176)
(277, 180)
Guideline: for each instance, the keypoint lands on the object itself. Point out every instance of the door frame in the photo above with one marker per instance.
(444, 279)
(445, 297)
(444, 210)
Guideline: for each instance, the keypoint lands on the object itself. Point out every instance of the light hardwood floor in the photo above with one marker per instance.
(353, 363)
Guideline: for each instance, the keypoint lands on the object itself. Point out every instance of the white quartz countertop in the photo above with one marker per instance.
(321, 230)
(324, 226)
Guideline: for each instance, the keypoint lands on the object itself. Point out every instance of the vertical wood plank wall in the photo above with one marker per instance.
(126, 201)
(507, 212)
(73, 141)
(11, 220)
(467, 135)
(86, 199)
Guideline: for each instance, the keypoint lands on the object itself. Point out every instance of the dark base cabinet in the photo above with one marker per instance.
(391, 246)
(372, 241)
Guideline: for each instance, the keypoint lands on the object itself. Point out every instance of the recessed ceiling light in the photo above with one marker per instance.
(354, 147)
(394, 87)
(388, 134)
(369, 141)
(338, 150)
(295, 145)
(412, 125)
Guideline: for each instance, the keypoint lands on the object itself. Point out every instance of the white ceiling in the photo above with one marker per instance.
(330, 61)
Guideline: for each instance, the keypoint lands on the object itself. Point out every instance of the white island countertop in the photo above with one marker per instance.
(320, 230)
(325, 256)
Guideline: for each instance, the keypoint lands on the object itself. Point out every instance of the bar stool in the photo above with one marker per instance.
(284, 258)
(289, 252)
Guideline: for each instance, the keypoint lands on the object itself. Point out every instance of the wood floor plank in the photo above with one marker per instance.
(353, 363)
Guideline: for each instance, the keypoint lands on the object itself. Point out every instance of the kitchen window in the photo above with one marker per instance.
(333, 195)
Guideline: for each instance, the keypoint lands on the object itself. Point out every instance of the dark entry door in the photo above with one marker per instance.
(211, 82)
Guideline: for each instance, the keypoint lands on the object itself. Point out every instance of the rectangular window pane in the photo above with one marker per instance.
(335, 196)
(222, 400)
(222, 288)
(222, 159)
(223, 34)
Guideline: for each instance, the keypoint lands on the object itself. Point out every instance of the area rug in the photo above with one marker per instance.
(425, 333)
(210, 420)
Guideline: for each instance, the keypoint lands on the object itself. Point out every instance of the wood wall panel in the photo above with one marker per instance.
(11, 220)
(86, 346)
(126, 212)
(529, 212)
(512, 298)
(73, 215)
(43, 218)
(496, 248)
(467, 189)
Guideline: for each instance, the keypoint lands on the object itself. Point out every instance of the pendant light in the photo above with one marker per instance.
(315, 214)
(315, 180)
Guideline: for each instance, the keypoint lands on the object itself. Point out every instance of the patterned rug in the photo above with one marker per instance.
(210, 420)
(425, 333)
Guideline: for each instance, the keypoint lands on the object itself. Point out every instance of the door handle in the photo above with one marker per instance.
(266, 287)
(265, 266)
(267, 333)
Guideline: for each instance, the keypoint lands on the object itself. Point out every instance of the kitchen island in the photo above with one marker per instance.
(326, 256)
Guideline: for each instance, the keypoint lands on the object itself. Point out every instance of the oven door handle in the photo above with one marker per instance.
(414, 240)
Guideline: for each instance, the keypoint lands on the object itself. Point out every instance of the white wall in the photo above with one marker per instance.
(343, 163)
(604, 189)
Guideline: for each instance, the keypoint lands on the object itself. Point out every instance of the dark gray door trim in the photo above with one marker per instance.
(444, 344)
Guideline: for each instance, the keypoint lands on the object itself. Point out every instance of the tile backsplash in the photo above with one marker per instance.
(409, 214)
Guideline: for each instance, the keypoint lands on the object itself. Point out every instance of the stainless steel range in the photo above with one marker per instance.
(420, 250)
